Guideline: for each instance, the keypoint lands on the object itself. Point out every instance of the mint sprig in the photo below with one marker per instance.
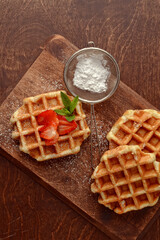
(69, 107)
(73, 104)
(66, 101)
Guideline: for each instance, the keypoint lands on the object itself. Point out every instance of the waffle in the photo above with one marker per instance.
(26, 128)
(137, 127)
(127, 179)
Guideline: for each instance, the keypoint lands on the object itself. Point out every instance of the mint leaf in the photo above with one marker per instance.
(70, 118)
(66, 111)
(69, 107)
(60, 112)
(73, 104)
(65, 99)
(63, 112)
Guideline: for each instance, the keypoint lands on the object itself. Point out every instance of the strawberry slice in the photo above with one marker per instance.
(47, 117)
(63, 120)
(49, 132)
(53, 141)
(64, 129)
(65, 126)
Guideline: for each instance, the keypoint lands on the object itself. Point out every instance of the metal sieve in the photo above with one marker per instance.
(89, 96)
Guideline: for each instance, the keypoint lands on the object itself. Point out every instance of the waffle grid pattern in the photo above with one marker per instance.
(26, 128)
(137, 127)
(127, 179)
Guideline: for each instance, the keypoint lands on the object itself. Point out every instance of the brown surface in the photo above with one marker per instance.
(127, 29)
(33, 213)
(69, 177)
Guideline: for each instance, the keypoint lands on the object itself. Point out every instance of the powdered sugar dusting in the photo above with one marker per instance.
(47, 86)
(91, 73)
(6, 127)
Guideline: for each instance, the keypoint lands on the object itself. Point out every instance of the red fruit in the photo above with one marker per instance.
(47, 117)
(49, 132)
(65, 126)
(63, 120)
(53, 141)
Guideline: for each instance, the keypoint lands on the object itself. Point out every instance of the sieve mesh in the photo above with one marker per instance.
(85, 95)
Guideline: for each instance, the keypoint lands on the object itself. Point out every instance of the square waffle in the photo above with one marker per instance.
(26, 128)
(127, 179)
(137, 127)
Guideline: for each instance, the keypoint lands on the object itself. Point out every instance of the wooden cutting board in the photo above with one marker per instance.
(69, 177)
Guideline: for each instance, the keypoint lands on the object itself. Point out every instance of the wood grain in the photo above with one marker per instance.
(127, 29)
(33, 213)
(46, 74)
(27, 210)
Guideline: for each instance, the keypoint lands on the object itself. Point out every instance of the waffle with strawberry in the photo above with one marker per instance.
(50, 125)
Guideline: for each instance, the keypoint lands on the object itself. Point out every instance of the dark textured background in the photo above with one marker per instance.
(130, 31)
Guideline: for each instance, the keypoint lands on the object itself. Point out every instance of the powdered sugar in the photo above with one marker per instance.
(91, 73)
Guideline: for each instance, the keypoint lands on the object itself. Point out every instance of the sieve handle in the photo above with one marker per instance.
(90, 44)
(94, 119)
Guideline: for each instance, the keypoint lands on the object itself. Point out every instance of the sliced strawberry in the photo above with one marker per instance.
(53, 141)
(66, 127)
(48, 132)
(40, 128)
(47, 117)
(63, 120)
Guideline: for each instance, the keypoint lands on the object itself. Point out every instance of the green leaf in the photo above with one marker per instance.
(70, 118)
(60, 112)
(65, 99)
(73, 104)
(68, 107)
(63, 112)
(67, 112)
